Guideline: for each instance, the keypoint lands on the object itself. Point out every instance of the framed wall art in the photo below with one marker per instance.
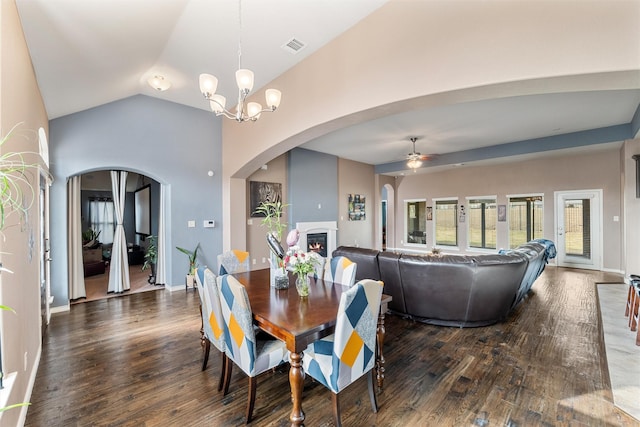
(357, 207)
(263, 192)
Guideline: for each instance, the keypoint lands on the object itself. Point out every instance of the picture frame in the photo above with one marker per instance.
(357, 207)
(502, 213)
(263, 192)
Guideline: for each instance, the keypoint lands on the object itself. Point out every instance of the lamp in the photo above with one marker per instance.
(414, 158)
(244, 80)
(159, 83)
(414, 163)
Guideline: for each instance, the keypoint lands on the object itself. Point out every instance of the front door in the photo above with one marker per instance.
(579, 229)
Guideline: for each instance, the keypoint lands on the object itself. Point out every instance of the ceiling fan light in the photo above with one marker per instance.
(208, 85)
(244, 79)
(273, 96)
(414, 163)
(159, 83)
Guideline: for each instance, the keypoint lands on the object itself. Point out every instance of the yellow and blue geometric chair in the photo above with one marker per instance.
(212, 321)
(341, 270)
(253, 356)
(340, 359)
(233, 261)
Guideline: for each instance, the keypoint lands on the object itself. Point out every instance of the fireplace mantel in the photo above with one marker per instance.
(329, 227)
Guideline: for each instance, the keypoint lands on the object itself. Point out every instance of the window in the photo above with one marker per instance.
(102, 219)
(446, 223)
(416, 221)
(482, 223)
(525, 219)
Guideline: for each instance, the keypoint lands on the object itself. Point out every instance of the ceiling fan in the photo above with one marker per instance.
(415, 159)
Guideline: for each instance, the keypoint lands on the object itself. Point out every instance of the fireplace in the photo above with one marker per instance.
(318, 237)
(317, 242)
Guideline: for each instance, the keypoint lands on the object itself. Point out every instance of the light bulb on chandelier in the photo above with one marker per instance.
(244, 80)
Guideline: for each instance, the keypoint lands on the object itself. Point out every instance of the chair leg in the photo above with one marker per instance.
(207, 348)
(629, 299)
(223, 370)
(372, 391)
(251, 400)
(227, 374)
(336, 409)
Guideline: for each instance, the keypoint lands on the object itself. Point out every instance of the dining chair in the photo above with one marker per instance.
(212, 321)
(253, 355)
(233, 261)
(339, 359)
(341, 270)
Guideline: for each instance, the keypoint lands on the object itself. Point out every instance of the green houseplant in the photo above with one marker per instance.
(13, 183)
(193, 263)
(151, 258)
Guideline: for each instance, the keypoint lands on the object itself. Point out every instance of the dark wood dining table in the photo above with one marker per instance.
(300, 321)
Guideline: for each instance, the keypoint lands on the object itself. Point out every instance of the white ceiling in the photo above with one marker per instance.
(90, 52)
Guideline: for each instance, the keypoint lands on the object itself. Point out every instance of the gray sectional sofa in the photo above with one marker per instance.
(453, 290)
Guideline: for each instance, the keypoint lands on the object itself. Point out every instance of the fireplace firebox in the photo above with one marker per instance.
(317, 242)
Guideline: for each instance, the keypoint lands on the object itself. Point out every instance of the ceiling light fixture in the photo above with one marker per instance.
(415, 159)
(159, 83)
(244, 80)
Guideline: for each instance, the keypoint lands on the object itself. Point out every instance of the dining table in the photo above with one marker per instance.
(299, 321)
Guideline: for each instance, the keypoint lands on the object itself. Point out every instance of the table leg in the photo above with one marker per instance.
(379, 344)
(296, 382)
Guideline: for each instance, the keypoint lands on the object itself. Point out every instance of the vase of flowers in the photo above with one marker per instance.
(301, 264)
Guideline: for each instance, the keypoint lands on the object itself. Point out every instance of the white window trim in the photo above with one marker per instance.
(406, 214)
(455, 247)
(468, 226)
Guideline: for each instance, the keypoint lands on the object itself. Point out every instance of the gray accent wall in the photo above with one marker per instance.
(313, 186)
(170, 143)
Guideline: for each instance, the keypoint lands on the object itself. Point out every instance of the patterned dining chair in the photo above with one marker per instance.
(341, 270)
(338, 360)
(253, 355)
(212, 321)
(233, 261)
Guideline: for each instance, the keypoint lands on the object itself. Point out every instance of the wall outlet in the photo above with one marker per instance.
(208, 223)
(191, 223)
(253, 261)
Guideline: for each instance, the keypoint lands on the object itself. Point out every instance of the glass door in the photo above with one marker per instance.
(579, 229)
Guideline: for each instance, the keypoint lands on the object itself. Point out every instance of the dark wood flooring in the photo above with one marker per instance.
(135, 361)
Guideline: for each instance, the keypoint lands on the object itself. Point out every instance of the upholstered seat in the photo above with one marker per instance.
(211, 313)
(233, 261)
(338, 360)
(253, 355)
(341, 270)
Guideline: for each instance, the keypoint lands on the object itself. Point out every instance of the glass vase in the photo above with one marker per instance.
(302, 285)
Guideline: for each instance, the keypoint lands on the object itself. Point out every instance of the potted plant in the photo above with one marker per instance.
(193, 263)
(272, 212)
(13, 182)
(90, 238)
(151, 259)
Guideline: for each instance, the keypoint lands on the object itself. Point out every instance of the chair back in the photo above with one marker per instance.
(354, 345)
(212, 321)
(233, 261)
(341, 270)
(239, 334)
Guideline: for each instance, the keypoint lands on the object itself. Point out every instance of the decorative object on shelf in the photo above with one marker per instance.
(193, 264)
(244, 80)
(356, 207)
(151, 259)
(293, 237)
(301, 264)
(90, 238)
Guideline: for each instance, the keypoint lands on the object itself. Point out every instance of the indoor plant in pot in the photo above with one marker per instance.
(193, 264)
(272, 212)
(151, 259)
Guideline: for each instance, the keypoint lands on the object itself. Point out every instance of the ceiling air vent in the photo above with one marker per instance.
(293, 46)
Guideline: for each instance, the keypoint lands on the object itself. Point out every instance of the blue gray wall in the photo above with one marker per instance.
(170, 143)
(313, 186)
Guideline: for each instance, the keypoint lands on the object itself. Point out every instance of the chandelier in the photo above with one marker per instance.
(244, 80)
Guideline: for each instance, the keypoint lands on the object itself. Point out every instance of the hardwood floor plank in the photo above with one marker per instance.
(136, 361)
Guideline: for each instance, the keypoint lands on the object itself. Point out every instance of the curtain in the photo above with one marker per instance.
(161, 270)
(74, 239)
(119, 267)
